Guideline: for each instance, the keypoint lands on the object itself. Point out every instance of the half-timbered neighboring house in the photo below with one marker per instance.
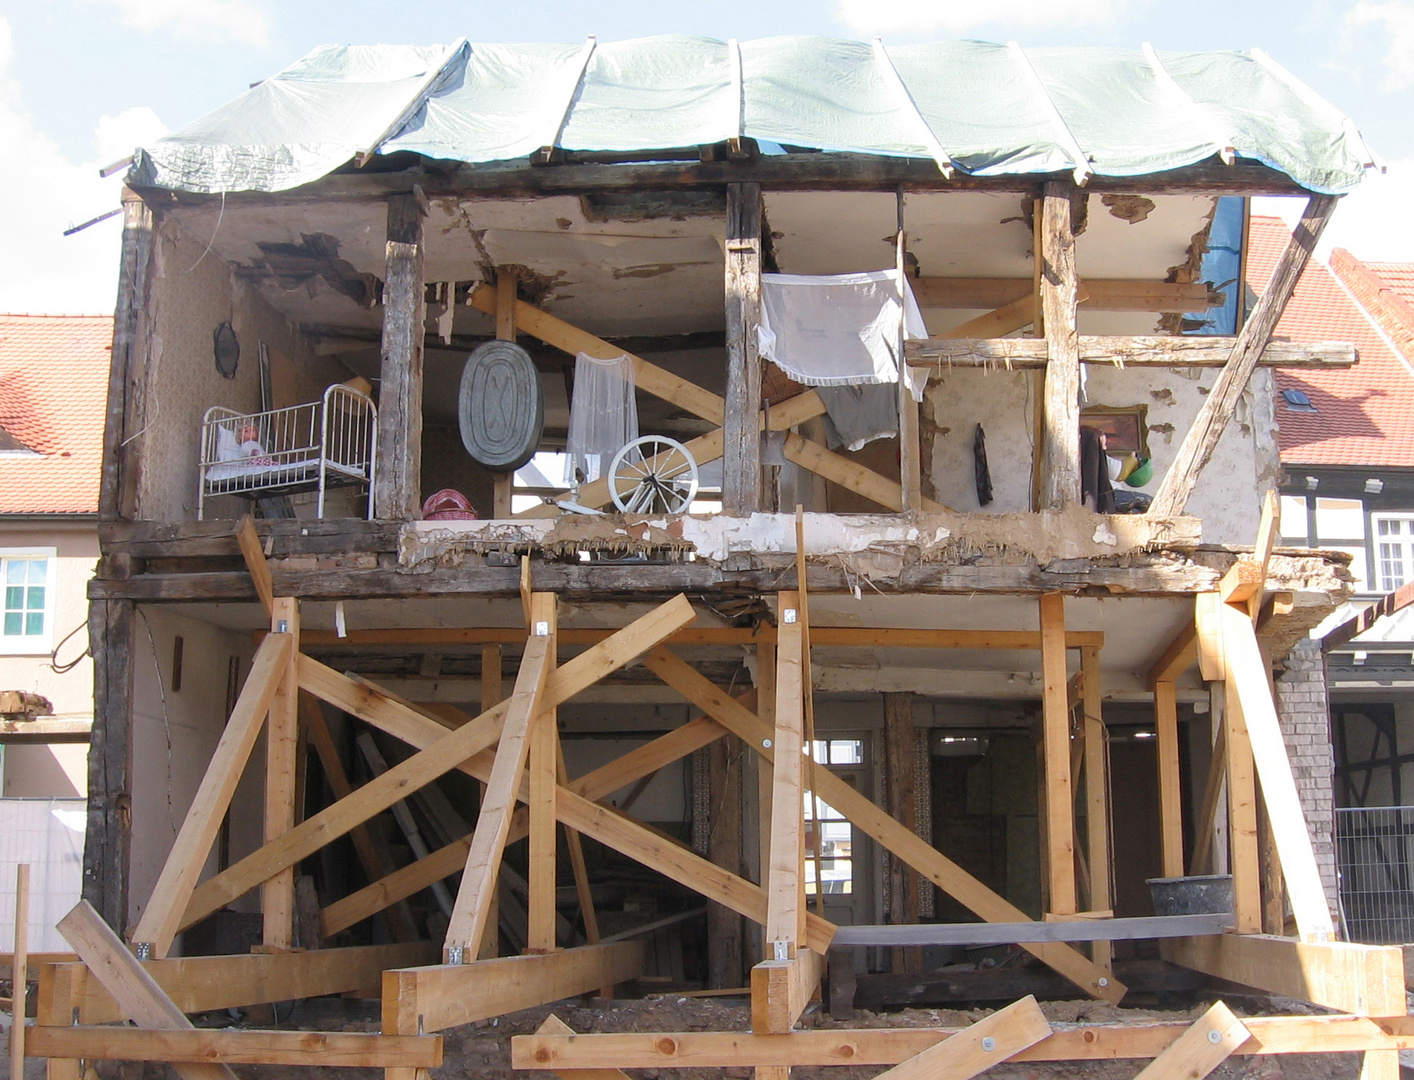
(565, 488)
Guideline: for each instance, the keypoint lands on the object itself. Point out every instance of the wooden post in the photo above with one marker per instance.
(741, 456)
(503, 484)
(1242, 817)
(900, 750)
(1170, 791)
(724, 926)
(785, 917)
(765, 775)
(108, 836)
(1059, 859)
(398, 485)
(117, 493)
(277, 896)
(1060, 459)
(544, 774)
(491, 696)
(19, 973)
(1097, 793)
(1217, 408)
(910, 463)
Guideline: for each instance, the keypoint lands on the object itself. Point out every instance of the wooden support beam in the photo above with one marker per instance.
(435, 998)
(1170, 788)
(126, 417)
(976, 1049)
(105, 955)
(958, 350)
(1241, 817)
(240, 1047)
(277, 895)
(543, 758)
(1202, 1048)
(1178, 656)
(741, 448)
(107, 845)
(781, 990)
(483, 863)
(254, 555)
(574, 847)
(398, 478)
(553, 1025)
(940, 293)
(900, 758)
(162, 917)
(1365, 980)
(502, 484)
(1058, 785)
(1217, 408)
(879, 826)
(1207, 820)
(1060, 442)
(785, 887)
(1097, 792)
(1380, 1065)
(19, 973)
(725, 929)
(207, 983)
(851, 475)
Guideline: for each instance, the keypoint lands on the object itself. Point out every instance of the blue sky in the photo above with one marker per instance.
(83, 81)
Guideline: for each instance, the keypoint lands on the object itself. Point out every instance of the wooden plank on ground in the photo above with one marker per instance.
(879, 826)
(1211, 1040)
(553, 1025)
(976, 1049)
(1057, 784)
(1364, 980)
(443, 996)
(162, 918)
(240, 1047)
(105, 955)
(781, 989)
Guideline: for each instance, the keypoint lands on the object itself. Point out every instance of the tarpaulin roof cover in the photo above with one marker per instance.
(985, 109)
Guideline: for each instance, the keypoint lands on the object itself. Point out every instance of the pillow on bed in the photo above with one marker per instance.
(227, 446)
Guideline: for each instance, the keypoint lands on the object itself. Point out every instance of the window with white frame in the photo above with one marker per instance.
(1394, 549)
(27, 600)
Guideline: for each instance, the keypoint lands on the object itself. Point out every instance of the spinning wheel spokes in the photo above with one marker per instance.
(653, 474)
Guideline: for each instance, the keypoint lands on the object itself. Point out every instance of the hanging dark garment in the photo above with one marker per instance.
(1095, 490)
(979, 466)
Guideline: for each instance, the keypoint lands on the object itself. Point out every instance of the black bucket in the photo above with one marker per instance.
(1204, 894)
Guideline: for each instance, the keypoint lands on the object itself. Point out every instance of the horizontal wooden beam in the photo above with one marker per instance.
(1102, 294)
(445, 995)
(889, 1046)
(1366, 980)
(33, 962)
(1142, 928)
(781, 989)
(1152, 351)
(230, 1047)
(205, 983)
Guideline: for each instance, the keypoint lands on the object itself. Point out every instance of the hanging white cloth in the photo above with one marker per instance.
(603, 416)
(838, 329)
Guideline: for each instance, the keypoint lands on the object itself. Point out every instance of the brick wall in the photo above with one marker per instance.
(1305, 720)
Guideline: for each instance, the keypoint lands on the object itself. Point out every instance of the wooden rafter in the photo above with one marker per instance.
(1102, 294)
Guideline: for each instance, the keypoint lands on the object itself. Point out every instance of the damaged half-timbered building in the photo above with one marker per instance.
(696, 514)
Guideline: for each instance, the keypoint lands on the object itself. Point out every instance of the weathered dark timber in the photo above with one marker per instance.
(1143, 575)
(117, 492)
(1147, 351)
(1060, 444)
(741, 449)
(398, 484)
(899, 767)
(1217, 409)
(804, 172)
(194, 539)
(725, 928)
(638, 345)
(108, 835)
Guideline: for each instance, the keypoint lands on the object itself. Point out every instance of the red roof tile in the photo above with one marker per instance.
(1364, 414)
(53, 394)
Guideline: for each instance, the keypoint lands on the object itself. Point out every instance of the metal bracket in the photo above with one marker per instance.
(788, 615)
(455, 954)
(142, 950)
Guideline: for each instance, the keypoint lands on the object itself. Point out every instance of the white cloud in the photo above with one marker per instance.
(1372, 222)
(1396, 21)
(956, 16)
(46, 271)
(244, 21)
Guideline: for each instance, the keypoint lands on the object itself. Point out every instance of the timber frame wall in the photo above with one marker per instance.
(511, 746)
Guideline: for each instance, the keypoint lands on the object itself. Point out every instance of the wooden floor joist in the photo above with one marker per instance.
(238, 1047)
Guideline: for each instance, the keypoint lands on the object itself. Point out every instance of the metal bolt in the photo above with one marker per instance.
(1215, 1037)
(788, 615)
(989, 1044)
(766, 744)
(542, 629)
(1102, 982)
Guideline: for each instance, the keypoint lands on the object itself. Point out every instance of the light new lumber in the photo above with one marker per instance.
(205, 983)
(553, 1025)
(1243, 855)
(1138, 351)
(229, 1047)
(1218, 407)
(34, 961)
(883, 829)
(19, 960)
(1059, 820)
(1364, 980)
(889, 1046)
(1178, 656)
(781, 989)
(277, 895)
(483, 861)
(248, 540)
(105, 955)
(161, 919)
(785, 888)
(1211, 1040)
(1380, 1065)
(851, 475)
(434, 998)
(1103, 294)
(1246, 671)
(1170, 788)
(977, 1048)
(1097, 792)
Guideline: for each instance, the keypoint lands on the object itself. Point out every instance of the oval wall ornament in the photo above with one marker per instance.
(500, 407)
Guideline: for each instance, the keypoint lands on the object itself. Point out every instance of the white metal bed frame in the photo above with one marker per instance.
(321, 444)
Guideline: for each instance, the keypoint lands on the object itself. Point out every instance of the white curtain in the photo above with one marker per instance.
(603, 416)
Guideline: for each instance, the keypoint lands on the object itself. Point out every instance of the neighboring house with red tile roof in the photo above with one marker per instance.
(53, 391)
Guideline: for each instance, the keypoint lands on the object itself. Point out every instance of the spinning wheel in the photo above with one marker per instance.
(653, 475)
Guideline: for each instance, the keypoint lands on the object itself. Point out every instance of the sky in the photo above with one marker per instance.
(82, 82)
